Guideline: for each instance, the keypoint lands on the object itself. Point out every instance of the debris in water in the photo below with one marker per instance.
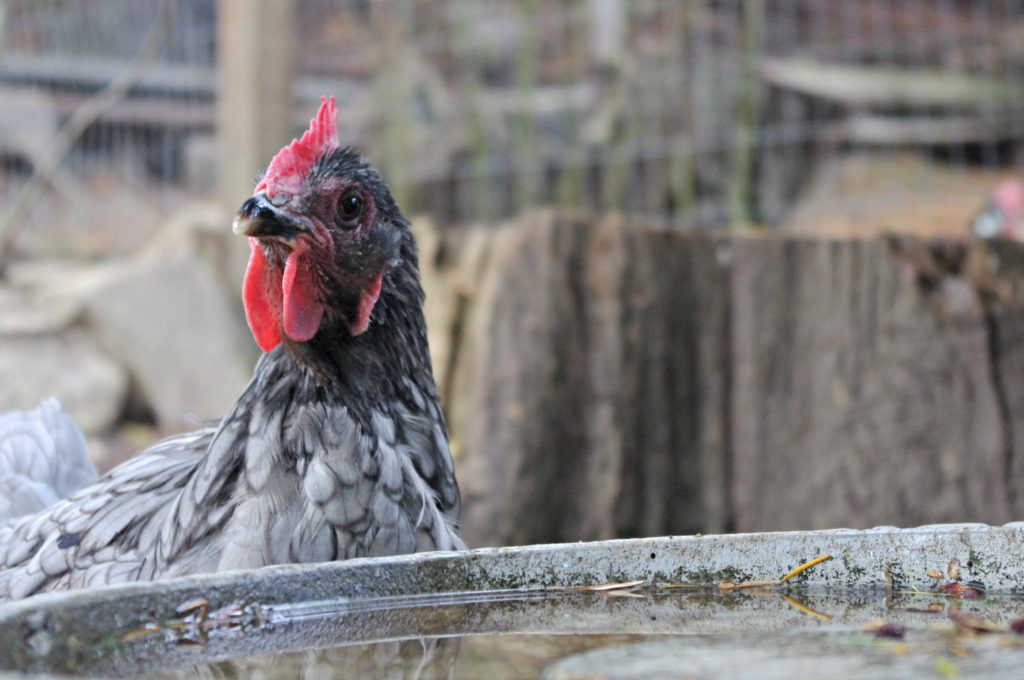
(198, 638)
(1017, 626)
(946, 668)
(960, 591)
(953, 570)
(725, 585)
(227, 615)
(800, 606)
(605, 587)
(137, 633)
(934, 574)
(886, 629)
(969, 623)
(196, 608)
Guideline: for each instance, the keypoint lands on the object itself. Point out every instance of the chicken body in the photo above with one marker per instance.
(336, 449)
(42, 460)
(285, 477)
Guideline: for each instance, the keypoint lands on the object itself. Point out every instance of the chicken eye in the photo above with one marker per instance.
(350, 209)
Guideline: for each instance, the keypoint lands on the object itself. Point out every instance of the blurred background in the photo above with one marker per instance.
(692, 265)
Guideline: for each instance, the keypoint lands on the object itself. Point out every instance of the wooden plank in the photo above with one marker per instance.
(86, 72)
(167, 80)
(149, 112)
(172, 113)
(884, 86)
(255, 92)
(904, 131)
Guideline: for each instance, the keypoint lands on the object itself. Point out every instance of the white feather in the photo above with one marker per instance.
(42, 460)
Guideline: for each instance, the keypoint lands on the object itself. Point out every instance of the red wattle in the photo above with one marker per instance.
(366, 302)
(303, 311)
(259, 295)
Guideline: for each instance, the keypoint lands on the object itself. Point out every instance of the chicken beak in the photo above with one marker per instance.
(258, 218)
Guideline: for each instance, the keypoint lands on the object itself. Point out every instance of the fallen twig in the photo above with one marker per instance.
(804, 567)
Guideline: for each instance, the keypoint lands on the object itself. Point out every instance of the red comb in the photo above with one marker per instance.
(293, 162)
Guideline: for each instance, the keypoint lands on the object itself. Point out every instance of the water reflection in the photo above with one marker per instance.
(421, 659)
(527, 634)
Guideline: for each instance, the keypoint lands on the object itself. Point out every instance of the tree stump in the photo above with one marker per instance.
(608, 378)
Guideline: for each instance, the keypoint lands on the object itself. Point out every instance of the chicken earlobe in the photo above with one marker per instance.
(367, 299)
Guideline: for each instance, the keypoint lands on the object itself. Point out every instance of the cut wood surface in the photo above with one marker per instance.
(605, 378)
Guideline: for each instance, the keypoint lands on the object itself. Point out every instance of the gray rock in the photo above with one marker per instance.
(170, 325)
(69, 366)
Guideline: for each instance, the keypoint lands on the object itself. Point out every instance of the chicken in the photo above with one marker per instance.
(336, 449)
(42, 459)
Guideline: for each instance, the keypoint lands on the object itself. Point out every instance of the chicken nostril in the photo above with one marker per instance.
(249, 207)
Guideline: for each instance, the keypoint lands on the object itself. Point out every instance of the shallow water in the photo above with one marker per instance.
(694, 633)
(578, 657)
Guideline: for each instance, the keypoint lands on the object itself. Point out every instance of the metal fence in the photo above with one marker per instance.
(698, 112)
